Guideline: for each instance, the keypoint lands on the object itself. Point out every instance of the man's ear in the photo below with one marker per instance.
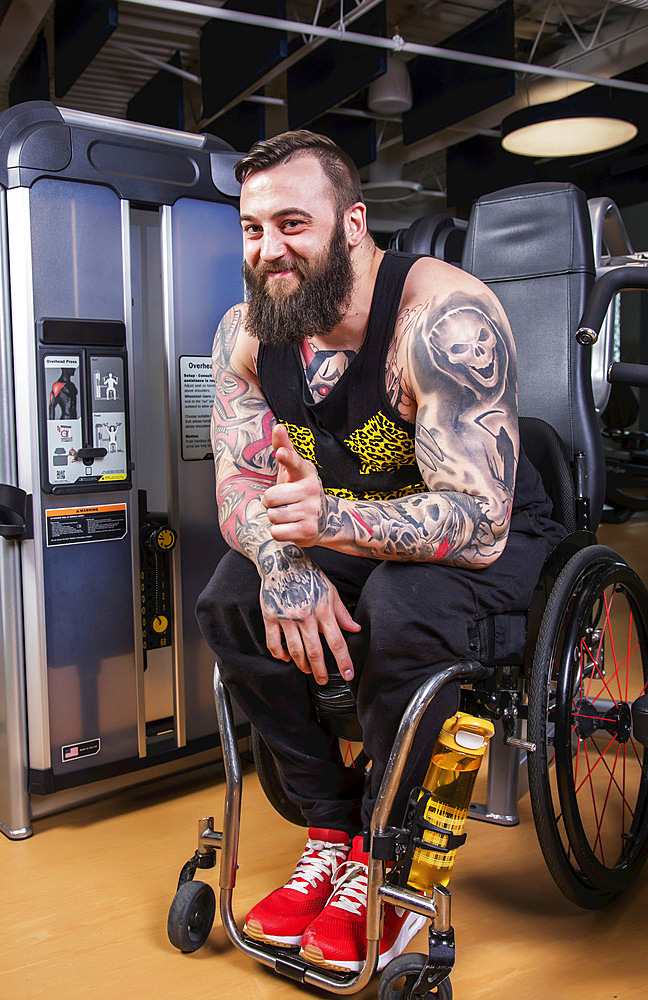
(355, 224)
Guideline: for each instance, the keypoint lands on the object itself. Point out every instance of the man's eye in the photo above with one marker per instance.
(251, 230)
(293, 224)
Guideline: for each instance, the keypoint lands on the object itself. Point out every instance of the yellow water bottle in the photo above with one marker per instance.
(450, 779)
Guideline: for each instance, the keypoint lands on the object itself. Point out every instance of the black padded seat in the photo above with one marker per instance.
(532, 244)
(438, 235)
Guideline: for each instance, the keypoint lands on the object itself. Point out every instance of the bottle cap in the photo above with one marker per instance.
(466, 732)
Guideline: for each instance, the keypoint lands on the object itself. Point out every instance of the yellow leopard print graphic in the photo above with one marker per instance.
(406, 491)
(382, 446)
(303, 441)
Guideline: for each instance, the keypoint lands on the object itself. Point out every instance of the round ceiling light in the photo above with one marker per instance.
(390, 191)
(564, 128)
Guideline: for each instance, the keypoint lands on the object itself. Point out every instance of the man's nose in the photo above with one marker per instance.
(273, 246)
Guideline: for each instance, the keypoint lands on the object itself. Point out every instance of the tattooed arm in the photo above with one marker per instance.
(458, 364)
(297, 601)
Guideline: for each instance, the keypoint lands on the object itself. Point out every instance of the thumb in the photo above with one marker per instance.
(292, 466)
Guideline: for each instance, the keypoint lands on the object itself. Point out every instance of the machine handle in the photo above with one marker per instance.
(605, 288)
(14, 512)
(623, 371)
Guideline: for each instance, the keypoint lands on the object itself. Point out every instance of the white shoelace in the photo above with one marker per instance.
(320, 860)
(350, 887)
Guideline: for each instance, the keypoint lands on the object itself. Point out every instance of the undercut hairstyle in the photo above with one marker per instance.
(339, 168)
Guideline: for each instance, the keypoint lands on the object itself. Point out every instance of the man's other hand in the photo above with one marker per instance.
(300, 605)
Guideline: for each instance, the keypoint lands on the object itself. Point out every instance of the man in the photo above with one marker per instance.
(366, 447)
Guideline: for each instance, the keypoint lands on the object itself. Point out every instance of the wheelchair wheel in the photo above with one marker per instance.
(590, 664)
(398, 978)
(266, 768)
(191, 916)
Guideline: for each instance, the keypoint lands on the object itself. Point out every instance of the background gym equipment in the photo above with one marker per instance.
(120, 249)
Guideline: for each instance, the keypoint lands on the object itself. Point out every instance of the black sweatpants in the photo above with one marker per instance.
(415, 619)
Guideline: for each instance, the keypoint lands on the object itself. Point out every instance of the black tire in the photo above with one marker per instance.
(266, 768)
(191, 916)
(590, 663)
(400, 975)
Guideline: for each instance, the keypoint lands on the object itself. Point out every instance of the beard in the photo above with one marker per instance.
(317, 305)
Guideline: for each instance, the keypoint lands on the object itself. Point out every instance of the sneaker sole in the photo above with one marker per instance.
(254, 930)
(411, 926)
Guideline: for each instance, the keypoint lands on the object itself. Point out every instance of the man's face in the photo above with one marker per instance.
(297, 262)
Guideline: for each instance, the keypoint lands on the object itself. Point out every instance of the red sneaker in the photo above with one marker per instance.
(282, 917)
(337, 938)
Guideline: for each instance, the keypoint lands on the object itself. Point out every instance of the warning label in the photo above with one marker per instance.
(74, 751)
(196, 400)
(70, 525)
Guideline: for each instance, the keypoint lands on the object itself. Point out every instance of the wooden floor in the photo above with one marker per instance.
(85, 902)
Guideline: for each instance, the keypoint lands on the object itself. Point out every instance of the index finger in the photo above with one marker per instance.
(338, 646)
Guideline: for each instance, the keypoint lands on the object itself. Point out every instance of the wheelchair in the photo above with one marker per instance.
(566, 682)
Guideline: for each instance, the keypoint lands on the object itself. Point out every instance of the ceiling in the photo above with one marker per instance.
(578, 36)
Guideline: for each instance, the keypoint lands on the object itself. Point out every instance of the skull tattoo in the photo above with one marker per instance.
(288, 584)
(467, 345)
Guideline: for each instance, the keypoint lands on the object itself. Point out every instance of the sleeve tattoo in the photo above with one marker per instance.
(241, 435)
(463, 370)
(241, 430)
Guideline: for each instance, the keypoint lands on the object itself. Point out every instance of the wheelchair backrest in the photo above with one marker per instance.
(532, 244)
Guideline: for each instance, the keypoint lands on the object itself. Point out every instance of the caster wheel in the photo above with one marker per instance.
(191, 916)
(400, 975)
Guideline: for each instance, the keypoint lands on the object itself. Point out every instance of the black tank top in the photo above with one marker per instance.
(362, 447)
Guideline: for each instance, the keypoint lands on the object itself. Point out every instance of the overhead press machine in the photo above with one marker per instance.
(120, 250)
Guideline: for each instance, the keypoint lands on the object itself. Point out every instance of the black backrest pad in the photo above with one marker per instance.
(532, 244)
(547, 452)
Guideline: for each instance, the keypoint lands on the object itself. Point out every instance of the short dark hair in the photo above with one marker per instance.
(336, 164)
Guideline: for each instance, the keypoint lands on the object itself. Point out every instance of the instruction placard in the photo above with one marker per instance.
(64, 433)
(108, 416)
(71, 525)
(196, 401)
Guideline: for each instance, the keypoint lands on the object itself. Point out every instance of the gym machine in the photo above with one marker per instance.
(120, 250)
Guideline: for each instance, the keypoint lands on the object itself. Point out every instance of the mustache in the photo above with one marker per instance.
(284, 264)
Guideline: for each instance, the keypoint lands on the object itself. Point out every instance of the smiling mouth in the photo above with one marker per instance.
(485, 373)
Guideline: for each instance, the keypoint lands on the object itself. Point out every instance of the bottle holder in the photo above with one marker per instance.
(415, 825)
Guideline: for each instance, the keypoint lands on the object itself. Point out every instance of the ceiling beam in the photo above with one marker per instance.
(395, 44)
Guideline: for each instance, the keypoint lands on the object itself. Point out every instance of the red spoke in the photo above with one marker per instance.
(616, 665)
(636, 752)
(619, 789)
(629, 655)
(598, 670)
(625, 662)
(591, 783)
(594, 766)
(607, 796)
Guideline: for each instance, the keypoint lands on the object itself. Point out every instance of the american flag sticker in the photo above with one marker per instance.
(74, 751)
